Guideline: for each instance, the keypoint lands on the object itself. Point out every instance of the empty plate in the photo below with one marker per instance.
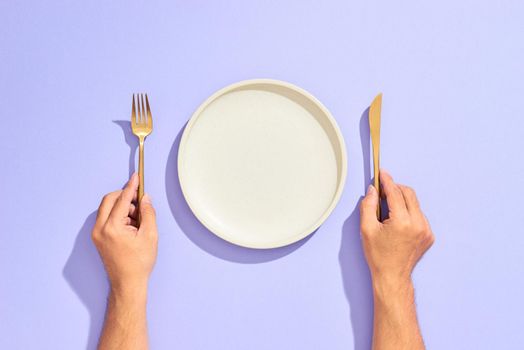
(262, 163)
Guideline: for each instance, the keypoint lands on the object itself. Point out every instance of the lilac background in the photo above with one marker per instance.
(451, 73)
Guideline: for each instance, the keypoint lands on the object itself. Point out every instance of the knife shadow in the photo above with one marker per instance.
(200, 235)
(354, 269)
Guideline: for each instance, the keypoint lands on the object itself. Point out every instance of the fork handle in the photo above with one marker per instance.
(140, 174)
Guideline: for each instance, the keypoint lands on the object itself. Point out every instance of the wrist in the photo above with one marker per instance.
(386, 288)
(129, 292)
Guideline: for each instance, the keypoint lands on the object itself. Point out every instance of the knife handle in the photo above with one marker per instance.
(376, 183)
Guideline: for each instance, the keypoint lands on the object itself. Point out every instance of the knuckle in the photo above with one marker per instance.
(109, 197)
(426, 222)
(366, 236)
(409, 192)
(149, 210)
(364, 230)
(367, 230)
(404, 223)
(105, 200)
(95, 236)
(409, 189)
(420, 228)
(110, 228)
(396, 189)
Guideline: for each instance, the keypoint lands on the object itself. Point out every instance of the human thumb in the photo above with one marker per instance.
(368, 209)
(147, 215)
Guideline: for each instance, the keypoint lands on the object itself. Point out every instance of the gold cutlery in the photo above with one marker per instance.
(374, 128)
(142, 126)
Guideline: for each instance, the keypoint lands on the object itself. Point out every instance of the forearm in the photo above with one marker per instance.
(395, 319)
(125, 325)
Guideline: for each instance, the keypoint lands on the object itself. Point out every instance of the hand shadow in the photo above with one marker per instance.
(84, 271)
(200, 235)
(85, 274)
(355, 272)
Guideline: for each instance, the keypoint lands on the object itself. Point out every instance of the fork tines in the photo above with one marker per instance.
(139, 116)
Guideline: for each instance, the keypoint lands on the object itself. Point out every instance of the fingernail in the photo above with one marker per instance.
(371, 189)
(146, 199)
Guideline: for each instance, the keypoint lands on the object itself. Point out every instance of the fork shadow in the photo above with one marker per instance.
(131, 140)
(200, 235)
(84, 271)
(354, 269)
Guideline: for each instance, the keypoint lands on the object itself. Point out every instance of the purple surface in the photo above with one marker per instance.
(451, 73)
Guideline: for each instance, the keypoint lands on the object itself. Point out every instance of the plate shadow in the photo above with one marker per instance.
(200, 235)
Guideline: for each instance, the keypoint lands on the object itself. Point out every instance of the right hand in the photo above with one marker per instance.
(128, 252)
(393, 247)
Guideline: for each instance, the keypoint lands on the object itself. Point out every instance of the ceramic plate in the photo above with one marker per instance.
(262, 163)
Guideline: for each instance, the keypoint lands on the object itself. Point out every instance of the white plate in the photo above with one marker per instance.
(262, 163)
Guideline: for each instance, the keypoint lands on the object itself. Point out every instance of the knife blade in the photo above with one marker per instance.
(374, 129)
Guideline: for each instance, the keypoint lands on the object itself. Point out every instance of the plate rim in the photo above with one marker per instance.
(338, 193)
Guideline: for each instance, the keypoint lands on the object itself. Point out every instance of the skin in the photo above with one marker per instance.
(393, 248)
(129, 254)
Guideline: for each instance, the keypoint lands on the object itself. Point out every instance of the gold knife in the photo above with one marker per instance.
(374, 129)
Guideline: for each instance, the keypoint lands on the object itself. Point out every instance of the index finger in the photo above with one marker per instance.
(393, 193)
(106, 206)
(121, 207)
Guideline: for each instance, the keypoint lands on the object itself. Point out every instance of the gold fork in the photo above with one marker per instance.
(142, 126)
